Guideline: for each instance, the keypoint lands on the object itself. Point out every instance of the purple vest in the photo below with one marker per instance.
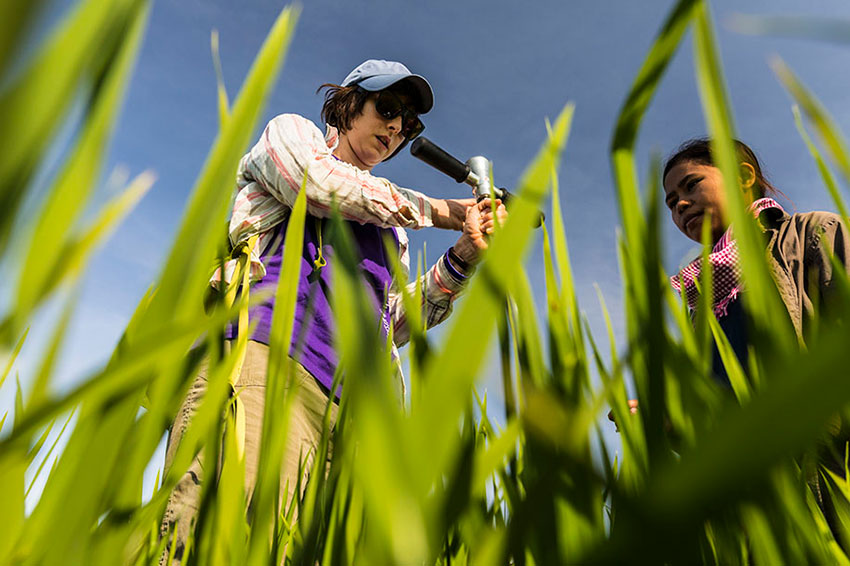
(313, 332)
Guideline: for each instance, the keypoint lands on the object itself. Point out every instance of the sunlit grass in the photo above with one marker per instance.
(438, 480)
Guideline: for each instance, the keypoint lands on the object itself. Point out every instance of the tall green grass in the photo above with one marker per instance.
(703, 475)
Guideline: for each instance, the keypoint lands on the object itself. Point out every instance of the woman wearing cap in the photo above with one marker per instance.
(370, 116)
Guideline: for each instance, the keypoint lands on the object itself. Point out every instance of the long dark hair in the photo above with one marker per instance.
(699, 151)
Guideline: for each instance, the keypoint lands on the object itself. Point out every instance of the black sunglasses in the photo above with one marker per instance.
(389, 105)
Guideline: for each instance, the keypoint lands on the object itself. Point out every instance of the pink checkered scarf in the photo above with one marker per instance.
(725, 269)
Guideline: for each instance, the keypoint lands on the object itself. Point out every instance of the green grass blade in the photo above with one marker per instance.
(763, 300)
(123, 376)
(78, 251)
(562, 256)
(185, 275)
(36, 448)
(527, 332)
(730, 362)
(488, 459)
(736, 454)
(223, 103)
(51, 353)
(823, 169)
(49, 452)
(12, 357)
(390, 482)
(32, 108)
(417, 341)
(638, 272)
(18, 15)
(280, 393)
(228, 532)
(70, 194)
(803, 27)
(831, 137)
(450, 374)
(12, 492)
(630, 116)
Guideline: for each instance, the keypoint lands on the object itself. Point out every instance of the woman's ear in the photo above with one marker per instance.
(747, 176)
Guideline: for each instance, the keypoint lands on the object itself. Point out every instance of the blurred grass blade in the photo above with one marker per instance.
(762, 295)
(488, 459)
(450, 373)
(280, 376)
(223, 103)
(730, 362)
(185, 275)
(38, 393)
(12, 511)
(739, 438)
(526, 330)
(823, 169)
(32, 108)
(803, 27)
(18, 15)
(634, 108)
(78, 251)
(390, 482)
(415, 324)
(70, 194)
(13, 357)
(123, 376)
(764, 548)
(228, 532)
(49, 453)
(638, 270)
(825, 126)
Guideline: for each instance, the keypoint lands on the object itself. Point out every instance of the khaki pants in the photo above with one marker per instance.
(305, 430)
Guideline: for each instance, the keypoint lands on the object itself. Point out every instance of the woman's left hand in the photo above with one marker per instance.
(633, 409)
(480, 222)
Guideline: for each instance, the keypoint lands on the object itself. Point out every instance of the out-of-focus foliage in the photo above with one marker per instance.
(703, 475)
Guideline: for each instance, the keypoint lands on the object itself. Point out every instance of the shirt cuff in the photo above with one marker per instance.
(445, 279)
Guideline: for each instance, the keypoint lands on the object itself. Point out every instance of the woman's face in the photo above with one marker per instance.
(371, 137)
(692, 191)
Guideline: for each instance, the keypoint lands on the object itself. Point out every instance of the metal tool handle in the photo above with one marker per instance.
(475, 172)
(438, 158)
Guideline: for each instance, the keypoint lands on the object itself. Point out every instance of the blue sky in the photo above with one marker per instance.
(498, 70)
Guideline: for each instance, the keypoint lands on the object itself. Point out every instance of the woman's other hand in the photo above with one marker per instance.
(479, 223)
(633, 407)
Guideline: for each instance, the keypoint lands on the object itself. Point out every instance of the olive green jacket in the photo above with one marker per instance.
(799, 249)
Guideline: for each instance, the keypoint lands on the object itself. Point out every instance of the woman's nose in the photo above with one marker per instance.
(395, 124)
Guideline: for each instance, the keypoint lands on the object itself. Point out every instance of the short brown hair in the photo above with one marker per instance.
(342, 104)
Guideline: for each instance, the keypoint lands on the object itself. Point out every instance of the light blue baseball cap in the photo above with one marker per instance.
(376, 74)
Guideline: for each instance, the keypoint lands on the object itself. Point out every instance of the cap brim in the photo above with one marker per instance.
(420, 85)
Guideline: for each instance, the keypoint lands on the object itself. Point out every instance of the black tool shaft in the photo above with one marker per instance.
(437, 157)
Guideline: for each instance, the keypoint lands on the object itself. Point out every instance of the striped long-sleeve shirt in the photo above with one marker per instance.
(293, 150)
